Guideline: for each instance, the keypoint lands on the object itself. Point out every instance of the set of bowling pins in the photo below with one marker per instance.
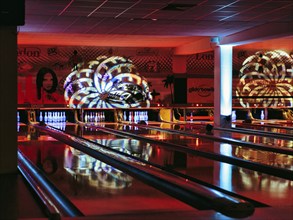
(94, 117)
(18, 121)
(262, 115)
(135, 116)
(52, 117)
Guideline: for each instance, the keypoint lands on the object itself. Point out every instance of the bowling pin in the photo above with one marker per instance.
(233, 117)
(41, 116)
(262, 115)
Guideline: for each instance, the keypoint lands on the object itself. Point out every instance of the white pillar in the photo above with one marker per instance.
(223, 86)
(8, 99)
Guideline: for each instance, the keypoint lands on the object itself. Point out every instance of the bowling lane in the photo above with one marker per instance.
(93, 186)
(268, 126)
(271, 137)
(252, 136)
(206, 145)
(222, 175)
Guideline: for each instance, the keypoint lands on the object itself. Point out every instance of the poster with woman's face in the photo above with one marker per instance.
(41, 72)
(46, 85)
(42, 88)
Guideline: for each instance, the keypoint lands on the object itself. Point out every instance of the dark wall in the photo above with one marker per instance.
(180, 90)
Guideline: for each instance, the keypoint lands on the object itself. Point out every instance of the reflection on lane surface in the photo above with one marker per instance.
(130, 146)
(266, 140)
(97, 173)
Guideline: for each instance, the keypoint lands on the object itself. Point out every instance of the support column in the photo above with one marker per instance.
(223, 86)
(180, 79)
(8, 99)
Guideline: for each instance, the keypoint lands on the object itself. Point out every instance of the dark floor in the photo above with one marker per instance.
(18, 202)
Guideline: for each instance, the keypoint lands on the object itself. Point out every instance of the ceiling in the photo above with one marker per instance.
(188, 25)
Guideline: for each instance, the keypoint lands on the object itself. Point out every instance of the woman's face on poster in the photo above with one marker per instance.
(48, 81)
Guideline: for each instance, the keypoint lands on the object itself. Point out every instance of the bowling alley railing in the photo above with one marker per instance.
(258, 132)
(55, 204)
(171, 114)
(194, 194)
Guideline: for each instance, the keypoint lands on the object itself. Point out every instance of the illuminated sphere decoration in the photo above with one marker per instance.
(108, 82)
(266, 79)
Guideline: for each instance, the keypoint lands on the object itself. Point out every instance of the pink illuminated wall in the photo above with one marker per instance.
(155, 64)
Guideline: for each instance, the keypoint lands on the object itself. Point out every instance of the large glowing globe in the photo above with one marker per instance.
(266, 79)
(108, 82)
